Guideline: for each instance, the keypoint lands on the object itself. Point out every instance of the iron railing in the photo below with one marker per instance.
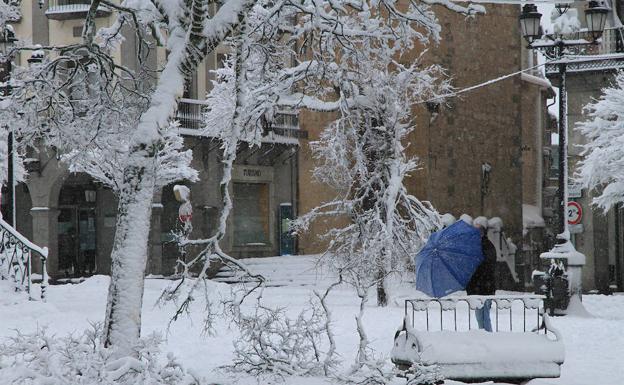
(440, 306)
(16, 260)
(73, 6)
(190, 111)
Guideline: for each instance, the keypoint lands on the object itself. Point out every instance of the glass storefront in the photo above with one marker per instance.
(77, 237)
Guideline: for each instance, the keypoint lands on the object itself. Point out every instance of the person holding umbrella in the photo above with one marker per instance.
(448, 260)
(483, 281)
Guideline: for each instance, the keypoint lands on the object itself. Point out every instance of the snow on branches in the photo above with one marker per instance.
(9, 12)
(362, 157)
(327, 57)
(40, 358)
(272, 343)
(602, 167)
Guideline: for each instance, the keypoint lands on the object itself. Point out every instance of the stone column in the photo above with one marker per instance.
(155, 250)
(45, 234)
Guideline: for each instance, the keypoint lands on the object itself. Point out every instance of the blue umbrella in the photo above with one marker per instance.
(448, 260)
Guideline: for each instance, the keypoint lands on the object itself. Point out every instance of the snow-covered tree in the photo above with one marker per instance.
(9, 11)
(602, 167)
(328, 39)
(346, 60)
(108, 122)
(327, 57)
(362, 156)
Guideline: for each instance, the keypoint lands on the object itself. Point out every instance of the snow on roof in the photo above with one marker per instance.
(587, 58)
(531, 217)
(537, 80)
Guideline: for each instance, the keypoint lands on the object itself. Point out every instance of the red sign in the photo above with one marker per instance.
(575, 213)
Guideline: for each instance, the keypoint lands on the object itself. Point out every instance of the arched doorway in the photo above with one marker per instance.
(77, 227)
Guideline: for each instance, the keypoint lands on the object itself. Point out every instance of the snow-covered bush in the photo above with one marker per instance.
(602, 167)
(420, 374)
(43, 359)
(272, 343)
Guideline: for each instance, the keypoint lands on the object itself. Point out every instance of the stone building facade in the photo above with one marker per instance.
(480, 153)
(75, 217)
(599, 236)
(483, 153)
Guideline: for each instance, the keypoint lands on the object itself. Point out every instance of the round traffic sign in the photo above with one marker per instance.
(575, 213)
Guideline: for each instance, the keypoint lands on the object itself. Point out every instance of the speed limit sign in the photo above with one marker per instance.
(575, 213)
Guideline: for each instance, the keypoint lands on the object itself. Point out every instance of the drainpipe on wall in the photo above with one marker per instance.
(618, 247)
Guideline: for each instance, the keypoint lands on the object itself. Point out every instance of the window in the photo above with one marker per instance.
(251, 214)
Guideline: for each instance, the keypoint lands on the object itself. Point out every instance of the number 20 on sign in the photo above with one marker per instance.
(575, 213)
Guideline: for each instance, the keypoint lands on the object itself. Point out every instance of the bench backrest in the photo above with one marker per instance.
(510, 311)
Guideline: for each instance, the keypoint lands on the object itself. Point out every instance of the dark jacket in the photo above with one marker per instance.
(483, 281)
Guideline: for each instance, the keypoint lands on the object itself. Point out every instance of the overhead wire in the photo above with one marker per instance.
(439, 98)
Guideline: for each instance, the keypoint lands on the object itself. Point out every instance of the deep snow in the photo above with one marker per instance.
(594, 345)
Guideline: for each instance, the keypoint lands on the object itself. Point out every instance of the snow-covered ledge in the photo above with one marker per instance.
(540, 81)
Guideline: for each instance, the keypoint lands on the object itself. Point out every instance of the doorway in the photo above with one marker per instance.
(77, 231)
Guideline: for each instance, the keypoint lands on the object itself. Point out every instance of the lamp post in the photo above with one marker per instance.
(7, 39)
(596, 16)
(556, 48)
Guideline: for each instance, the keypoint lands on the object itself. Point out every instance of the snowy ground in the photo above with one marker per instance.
(593, 345)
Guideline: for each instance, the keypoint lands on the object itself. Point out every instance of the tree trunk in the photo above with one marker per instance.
(382, 296)
(122, 325)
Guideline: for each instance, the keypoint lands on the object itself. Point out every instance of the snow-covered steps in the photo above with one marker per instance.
(291, 270)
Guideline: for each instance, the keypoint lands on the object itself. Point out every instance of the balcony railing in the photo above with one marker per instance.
(285, 125)
(606, 56)
(72, 9)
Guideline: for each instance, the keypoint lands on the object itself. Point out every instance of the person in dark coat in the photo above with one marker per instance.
(483, 281)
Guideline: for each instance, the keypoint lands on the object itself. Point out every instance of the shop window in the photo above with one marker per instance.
(251, 214)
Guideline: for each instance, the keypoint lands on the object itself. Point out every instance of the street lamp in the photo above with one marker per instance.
(530, 23)
(7, 40)
(596, 17)
(555, 48)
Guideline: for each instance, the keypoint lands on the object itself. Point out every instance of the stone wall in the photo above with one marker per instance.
(481, 126)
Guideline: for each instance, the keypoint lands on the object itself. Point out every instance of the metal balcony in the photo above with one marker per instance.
(72, 9)
(608, 55)
(285, 125)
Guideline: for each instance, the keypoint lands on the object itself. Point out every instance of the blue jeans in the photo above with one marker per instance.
(483, 316)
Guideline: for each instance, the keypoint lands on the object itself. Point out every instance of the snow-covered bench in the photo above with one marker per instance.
(465, 354)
